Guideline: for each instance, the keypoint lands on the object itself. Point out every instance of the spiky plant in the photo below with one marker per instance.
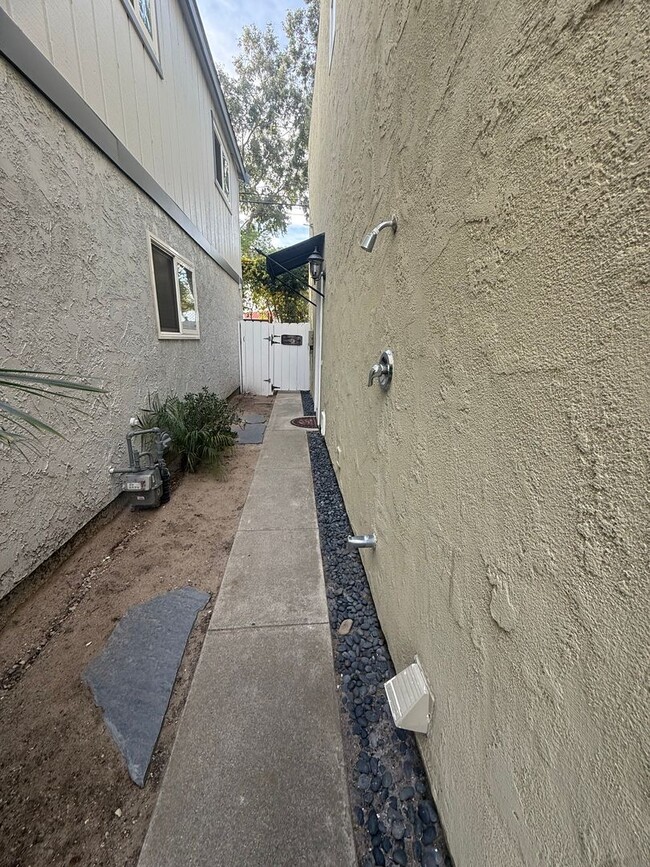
(18, 428)
(199, 426)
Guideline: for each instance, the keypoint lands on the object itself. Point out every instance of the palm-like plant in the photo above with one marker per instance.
(19, 428)
(199, 426)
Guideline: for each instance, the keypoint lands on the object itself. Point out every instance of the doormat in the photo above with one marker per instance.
(305, 421)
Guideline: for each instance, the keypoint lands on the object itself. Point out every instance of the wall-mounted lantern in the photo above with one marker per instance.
(315, 261)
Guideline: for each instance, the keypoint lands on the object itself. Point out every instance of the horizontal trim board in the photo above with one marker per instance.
(28, 60)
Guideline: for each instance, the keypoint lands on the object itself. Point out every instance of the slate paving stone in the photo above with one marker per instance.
(249, 434)
(132, 678)
(253, 418)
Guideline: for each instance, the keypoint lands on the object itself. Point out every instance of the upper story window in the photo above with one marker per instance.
(145, 11)
(173, 283)
(221, 164)
(143, 15)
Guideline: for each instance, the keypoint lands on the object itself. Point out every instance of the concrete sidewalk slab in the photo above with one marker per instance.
(284, 396)
(283, 411)
(284, 449)
(256, 777)
(279, 499)
(259, 759)
(273, 577)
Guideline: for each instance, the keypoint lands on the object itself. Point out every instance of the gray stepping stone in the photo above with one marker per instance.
(250, 434)
(253, 418)
(132, 678)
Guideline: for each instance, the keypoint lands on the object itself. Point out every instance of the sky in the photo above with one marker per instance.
(223, 21)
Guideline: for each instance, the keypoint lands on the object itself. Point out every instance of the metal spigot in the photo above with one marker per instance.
(364, 541)
(376, 370)
(382, 371)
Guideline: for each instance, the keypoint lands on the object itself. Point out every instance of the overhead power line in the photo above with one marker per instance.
(269, 202)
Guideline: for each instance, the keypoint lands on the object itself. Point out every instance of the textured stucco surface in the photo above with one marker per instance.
(505, 472)
(76, 296)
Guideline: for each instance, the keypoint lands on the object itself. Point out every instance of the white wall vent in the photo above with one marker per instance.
(409, 699)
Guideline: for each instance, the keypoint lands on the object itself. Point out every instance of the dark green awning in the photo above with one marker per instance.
(293, 257)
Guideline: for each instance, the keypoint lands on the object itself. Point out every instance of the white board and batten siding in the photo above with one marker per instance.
(165, 122)
(267, 364)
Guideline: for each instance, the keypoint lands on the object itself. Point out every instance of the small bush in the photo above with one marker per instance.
(199, 426)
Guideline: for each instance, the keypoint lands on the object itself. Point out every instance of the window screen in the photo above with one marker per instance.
(163, 270)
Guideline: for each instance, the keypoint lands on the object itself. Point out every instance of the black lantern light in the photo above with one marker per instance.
(315, 265)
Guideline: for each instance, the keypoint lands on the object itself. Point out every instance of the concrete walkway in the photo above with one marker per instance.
(256, 776)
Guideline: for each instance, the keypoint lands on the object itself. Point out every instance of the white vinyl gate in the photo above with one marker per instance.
(274, 356)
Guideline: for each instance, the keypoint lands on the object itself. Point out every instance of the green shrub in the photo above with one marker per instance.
(199, 426)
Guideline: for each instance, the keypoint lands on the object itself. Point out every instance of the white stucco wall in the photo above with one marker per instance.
(76, 296)
(505, 472)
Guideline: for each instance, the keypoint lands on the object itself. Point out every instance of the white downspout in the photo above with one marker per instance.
(318, 360)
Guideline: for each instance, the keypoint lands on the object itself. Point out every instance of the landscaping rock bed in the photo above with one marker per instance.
(395, 819)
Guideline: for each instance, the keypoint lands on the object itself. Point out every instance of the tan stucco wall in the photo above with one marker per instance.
(505, 471)
(76, 296)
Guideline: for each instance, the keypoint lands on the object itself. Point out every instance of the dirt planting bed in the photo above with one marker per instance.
(65, 795)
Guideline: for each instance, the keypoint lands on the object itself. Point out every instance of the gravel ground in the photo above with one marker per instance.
(396, 821)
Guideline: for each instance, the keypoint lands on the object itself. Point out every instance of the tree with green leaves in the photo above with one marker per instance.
(269, 99)
(285, 306)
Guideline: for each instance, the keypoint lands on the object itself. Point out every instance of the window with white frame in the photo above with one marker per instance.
(221, 163)
(175, 293)
(143, 15)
